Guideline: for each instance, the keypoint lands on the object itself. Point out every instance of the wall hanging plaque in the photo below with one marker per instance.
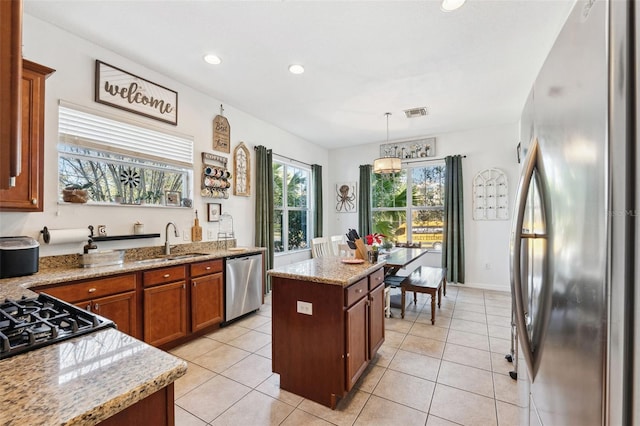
(120, 89)
(241, 170)
(490, 195)
(221, 133)
(418, 148)
(346, 197)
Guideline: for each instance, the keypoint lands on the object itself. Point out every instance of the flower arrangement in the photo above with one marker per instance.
(375, 238)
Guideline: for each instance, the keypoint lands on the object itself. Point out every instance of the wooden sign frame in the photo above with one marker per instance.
(241, 170)
(221, 134)
(126, 91)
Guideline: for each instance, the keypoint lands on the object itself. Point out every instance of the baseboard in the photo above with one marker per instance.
(482, 286)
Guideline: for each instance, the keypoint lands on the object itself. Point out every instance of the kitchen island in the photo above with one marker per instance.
(327, 325)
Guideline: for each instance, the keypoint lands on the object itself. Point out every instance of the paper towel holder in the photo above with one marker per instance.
(46, 236)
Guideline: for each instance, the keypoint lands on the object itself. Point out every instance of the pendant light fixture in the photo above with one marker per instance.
(387, 165)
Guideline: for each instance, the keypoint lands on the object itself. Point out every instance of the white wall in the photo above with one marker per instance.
(486, 242)
(73, 59)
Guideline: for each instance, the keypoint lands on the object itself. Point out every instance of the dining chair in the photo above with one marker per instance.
(335, 241)
(320, 247)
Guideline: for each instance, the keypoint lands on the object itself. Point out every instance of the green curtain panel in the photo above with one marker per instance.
(453, 238)
(316, 175)
(365, 220)
(264, 206)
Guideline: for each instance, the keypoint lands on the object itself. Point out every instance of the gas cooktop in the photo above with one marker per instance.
(31, 323)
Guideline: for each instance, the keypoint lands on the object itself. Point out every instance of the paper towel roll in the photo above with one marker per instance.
(65, 236)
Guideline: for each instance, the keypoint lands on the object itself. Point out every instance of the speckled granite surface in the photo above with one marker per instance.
(82, 380)
(327, 270)
(63, 271)
(89, 378)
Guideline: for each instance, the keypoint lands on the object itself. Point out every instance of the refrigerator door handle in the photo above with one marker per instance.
(530, 342)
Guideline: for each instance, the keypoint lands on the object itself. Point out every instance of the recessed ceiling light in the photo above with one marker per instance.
(212, 59)
(296, 69)
(451, 5)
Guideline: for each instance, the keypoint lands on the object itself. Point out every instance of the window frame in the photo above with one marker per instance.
(106, 143)
(409, 209)
(285, 208)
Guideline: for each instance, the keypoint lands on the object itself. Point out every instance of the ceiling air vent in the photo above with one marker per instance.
(415, 112)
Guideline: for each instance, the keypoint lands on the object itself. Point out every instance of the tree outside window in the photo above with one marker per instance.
(416, 192)
(292, 211)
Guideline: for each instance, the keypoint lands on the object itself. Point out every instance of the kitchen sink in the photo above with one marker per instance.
(164, 258)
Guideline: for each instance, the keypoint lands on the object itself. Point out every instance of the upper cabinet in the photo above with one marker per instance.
(10, 74)
(27, 194)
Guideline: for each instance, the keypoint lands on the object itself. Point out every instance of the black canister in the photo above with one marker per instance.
(18, 256)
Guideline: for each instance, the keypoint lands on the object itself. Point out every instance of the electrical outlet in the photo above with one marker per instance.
(186, 236)
(210, 234)
(487, 266)
(304, 308)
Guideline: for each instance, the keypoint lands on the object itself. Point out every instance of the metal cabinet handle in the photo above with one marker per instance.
(96, 307)
(34, 201)
(359, 290)
(195, 283)
(166, 275)
(88, 308)
(207, 268)
(92, 290)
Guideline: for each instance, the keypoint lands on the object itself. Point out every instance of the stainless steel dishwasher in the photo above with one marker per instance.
(243, 285)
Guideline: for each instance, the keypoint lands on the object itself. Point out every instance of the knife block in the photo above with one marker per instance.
(361, 250)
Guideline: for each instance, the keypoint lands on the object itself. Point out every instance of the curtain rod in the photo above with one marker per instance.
(285, 157)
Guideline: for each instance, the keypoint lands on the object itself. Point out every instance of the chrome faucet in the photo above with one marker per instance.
(167, 247)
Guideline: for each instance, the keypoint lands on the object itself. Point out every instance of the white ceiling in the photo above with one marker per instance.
(472, 68)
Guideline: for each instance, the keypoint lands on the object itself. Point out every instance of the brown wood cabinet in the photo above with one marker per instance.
(165, 305)
(10, 74)
(157, 409)
(112, 297)
(207, 303)
(27, 194)
(376, 312)
(325, 335)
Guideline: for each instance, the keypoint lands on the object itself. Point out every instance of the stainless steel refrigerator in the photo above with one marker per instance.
(574, 239)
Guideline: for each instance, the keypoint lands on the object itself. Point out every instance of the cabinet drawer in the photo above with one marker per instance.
(163, 275)
(91, 289)
(206, 267)
(355, 292)
(376, 279)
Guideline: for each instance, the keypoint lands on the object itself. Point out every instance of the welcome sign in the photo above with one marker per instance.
(129, 92)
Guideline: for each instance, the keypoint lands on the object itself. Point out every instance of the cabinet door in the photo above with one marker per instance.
(206, 301)
(376, 320)
(356, 334)
(120, 309)
(27, 193)
(10, 70)
(165, 313)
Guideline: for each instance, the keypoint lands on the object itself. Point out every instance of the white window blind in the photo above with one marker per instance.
(78, 127)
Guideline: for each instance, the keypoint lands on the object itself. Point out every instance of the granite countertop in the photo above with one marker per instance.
(14, 288)
(326, 270)
(89, 378)
(83, 380)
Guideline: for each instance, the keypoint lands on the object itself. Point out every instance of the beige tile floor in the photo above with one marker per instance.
(453, 372)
